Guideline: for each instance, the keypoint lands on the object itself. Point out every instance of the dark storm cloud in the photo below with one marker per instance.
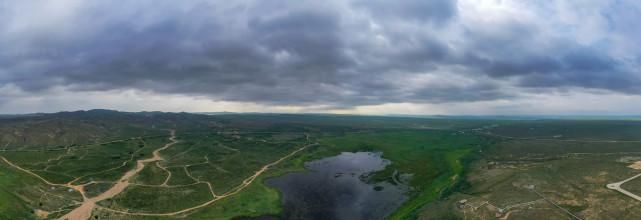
(450, 93)
(433, 11)
(297, 52)
(518, 50)
(590, 69)
(578, 67)
(201, 57)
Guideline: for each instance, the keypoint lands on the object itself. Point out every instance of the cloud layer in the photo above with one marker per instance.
(337, 54)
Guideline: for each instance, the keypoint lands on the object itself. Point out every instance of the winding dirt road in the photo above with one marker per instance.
(83, 212)
(234, 191)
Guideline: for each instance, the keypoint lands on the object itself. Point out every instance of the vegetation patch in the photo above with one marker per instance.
(432, 157)
(159, 199)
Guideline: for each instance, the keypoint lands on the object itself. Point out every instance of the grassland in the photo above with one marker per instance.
(222, 160)
(22, 196)
(442, 160)
(432, 157)
(11, 206)
(576, 184)
(538, 163)
(154, 199)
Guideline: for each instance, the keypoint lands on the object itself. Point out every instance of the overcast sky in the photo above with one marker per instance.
(340, 56)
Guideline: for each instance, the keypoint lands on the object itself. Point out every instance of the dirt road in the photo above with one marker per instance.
(234, 191)
(617, 186)
(83, 212)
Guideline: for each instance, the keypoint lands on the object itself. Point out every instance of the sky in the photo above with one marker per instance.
(473, 57)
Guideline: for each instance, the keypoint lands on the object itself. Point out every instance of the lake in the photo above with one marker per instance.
(335, 188)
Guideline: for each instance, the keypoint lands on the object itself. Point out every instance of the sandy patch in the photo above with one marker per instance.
(41, 214)
(636, 165)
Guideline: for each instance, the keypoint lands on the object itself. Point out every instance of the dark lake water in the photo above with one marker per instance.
(334, 188)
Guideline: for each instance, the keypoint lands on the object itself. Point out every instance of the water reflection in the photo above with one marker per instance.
(334, 188)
